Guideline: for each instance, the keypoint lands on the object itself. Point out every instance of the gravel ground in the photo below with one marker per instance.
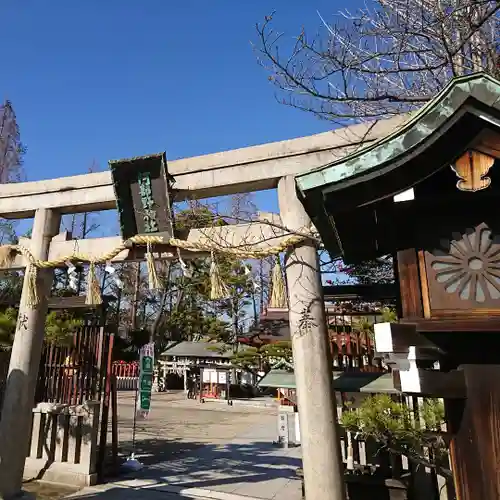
(177, 425)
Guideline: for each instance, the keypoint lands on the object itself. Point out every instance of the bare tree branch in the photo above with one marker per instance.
(386, 59)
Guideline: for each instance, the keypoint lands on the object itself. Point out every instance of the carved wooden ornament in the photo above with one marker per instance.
(470, 269)
(471, 168)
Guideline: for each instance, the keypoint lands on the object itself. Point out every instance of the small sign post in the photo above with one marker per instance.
(146, 368)
(283, 430)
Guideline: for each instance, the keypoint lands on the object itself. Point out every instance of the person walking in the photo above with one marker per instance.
(191, 385)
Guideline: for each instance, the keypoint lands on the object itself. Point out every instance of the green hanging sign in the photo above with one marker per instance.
(142, 188)
(146, 368)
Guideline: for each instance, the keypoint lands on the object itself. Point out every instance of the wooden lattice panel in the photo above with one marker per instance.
(463, 273)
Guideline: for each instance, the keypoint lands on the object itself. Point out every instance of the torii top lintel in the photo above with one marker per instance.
(455, 121)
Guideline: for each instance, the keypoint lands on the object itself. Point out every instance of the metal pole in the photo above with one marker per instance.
(134, 424)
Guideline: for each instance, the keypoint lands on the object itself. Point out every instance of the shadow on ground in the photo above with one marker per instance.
(158, 450)
(133, 494)
(47, 491)
(199, 465)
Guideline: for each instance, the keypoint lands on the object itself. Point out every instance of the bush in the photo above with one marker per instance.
(60, 328)
(393, 426)
(8, 320)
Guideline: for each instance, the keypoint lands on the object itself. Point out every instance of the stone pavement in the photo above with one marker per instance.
(245, 466)
(112, 492)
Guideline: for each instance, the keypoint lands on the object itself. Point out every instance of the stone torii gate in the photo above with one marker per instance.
(244, 170)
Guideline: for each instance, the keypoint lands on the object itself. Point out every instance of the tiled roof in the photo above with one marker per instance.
(198, 350)
(342, 381)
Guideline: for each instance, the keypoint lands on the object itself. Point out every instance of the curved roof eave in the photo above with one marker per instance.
(426, 121)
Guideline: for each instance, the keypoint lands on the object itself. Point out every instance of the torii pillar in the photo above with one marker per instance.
(322, 462)
(17, 410)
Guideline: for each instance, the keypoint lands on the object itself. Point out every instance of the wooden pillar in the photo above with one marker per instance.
(409, 284)
(475, 426)
(322, 462)
(15, 423)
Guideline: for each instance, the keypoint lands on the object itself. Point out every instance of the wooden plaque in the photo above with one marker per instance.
(142, 190)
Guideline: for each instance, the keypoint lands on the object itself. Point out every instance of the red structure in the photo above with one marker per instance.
(125, 369)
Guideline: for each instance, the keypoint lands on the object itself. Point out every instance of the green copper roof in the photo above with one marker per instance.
(342, 381)
(426, 121)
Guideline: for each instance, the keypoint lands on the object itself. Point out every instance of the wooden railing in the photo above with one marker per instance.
(70, 421)
(75, 374)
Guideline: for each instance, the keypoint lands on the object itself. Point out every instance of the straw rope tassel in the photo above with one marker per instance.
(32, 299)
(93, 297)
(8, 252)
(153, 281)
(7, 255)
(218, 290)
(278, 291)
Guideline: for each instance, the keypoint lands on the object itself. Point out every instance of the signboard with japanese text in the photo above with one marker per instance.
(142, 188)
(146, 368)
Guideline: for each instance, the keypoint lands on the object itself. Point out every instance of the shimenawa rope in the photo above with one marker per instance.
(278, 290)
(219, 289)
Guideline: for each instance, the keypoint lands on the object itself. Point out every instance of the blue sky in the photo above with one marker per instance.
(98, 80)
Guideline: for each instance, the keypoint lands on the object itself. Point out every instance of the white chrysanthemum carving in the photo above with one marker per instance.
(469, 265)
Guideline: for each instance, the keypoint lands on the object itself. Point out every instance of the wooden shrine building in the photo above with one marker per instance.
(429, 194)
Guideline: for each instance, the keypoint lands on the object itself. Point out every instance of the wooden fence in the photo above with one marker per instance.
(73, 401)
(78, 372)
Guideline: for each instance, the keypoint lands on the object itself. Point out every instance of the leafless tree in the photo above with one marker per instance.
(11, 160)
(11, 148)
(385, 59)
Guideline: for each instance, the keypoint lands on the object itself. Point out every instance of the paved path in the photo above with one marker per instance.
(124, 493)
(206, 451)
